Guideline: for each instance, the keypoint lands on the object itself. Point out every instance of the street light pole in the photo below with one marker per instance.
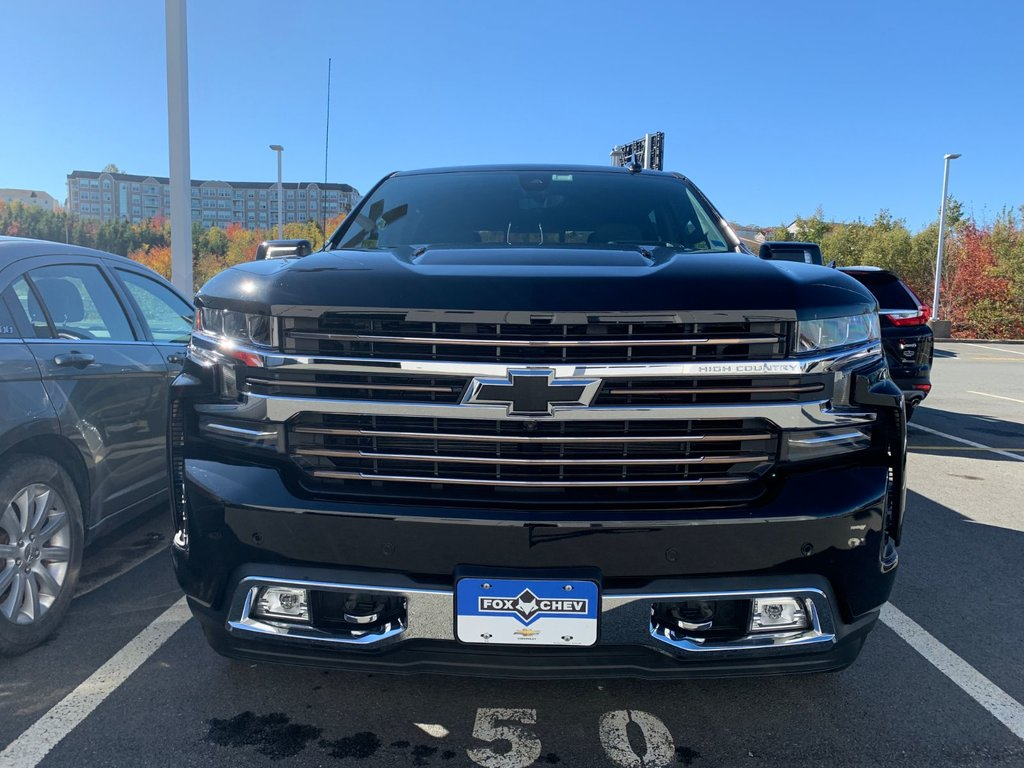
(280, 201)
(942, 235)
(177, 134)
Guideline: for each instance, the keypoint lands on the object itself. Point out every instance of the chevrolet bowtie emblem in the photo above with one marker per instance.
(532, 392)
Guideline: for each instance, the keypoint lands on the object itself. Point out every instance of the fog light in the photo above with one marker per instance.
(287, 603)
(775, 614)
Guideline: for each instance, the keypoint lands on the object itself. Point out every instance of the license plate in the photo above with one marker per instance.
(526, 611)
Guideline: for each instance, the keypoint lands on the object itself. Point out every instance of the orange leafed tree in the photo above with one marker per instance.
(157, 258)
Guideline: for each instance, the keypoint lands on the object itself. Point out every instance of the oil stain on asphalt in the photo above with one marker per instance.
(359, 746)
(273, 735)
(277, 737)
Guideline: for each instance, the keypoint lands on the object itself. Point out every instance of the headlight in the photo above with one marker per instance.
(834, 332)
(241, 327)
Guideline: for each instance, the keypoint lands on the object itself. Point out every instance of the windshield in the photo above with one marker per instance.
(533, 208)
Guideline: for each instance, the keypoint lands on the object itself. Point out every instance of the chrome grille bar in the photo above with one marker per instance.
(338, 385)
(614, 439)
(713, 390)
(624, 341)
(492, 460)
(337, 475)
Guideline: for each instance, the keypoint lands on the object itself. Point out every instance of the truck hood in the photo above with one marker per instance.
(538, 279)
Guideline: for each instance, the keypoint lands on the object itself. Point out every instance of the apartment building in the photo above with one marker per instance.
(109, 196)
(34, 198)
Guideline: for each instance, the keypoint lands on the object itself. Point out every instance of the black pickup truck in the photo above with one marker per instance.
(536, 421)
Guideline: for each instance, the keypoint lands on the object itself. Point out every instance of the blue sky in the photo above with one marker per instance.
(772, 108)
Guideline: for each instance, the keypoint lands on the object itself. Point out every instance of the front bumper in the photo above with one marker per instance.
(627, 647)
(822, 535)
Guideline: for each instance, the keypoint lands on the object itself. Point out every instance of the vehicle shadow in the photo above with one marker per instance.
(1000, 434)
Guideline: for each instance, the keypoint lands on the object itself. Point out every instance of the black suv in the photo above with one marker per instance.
(537, 420)
(907, 339)
(88, 344)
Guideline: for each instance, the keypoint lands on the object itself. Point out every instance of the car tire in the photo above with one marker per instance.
(41, 542)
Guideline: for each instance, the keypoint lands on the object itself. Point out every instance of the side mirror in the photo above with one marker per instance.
(283, 249)
(807, 253)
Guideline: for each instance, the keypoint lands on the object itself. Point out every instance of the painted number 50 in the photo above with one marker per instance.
(506, 726)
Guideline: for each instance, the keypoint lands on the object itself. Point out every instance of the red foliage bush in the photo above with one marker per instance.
(979, 302)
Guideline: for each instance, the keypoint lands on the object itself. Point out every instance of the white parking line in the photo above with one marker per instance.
(998, 397)
(1011, 351)
(29, 749)
(998, 702)
(955, 439)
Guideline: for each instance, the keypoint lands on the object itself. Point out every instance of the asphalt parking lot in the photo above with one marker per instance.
(129, 681)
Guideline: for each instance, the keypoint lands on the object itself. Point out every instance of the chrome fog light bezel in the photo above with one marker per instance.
(274, 603)
(779, 613)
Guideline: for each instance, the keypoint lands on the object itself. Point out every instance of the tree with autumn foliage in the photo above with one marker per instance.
(983, 294)
(157, 258)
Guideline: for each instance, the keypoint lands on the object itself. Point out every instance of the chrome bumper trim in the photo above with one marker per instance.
(625, 619)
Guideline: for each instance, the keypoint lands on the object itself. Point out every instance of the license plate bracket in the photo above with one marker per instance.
(527, 611)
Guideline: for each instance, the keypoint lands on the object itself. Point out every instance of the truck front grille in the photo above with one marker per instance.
(362, 453)
(619, 391)
(583, 339)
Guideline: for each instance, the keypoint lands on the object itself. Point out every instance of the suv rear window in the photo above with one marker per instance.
(887, 288)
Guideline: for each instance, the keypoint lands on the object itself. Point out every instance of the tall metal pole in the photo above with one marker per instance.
(327, 143)
(942, 235)
(280, 194)
(176, 21)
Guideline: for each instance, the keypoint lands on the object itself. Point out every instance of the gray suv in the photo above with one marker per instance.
(89, 342)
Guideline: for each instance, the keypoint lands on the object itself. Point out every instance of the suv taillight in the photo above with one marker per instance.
(919, 316)
(910, 317)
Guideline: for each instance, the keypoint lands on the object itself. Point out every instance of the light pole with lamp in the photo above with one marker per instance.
(942, 241)
(281, 218)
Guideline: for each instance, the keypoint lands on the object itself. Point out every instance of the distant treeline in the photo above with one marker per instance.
(983, 273)
(983, 266)
(213, 249)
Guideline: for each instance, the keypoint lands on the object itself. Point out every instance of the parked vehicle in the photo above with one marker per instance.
(804, 253)
(907, 338)
(89, 342)
(537, 421)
